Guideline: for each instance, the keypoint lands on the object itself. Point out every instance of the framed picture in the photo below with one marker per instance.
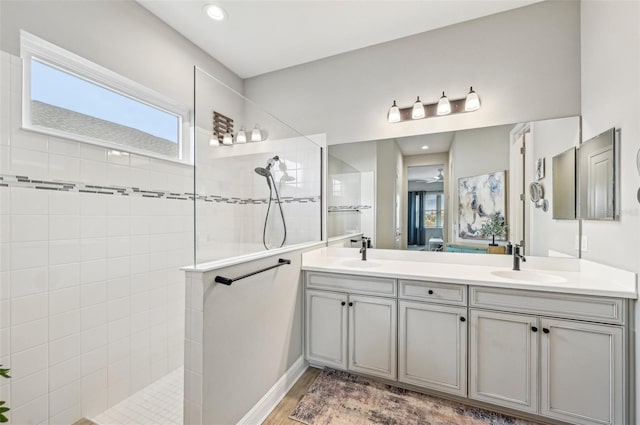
(540, 169)
(479, 197)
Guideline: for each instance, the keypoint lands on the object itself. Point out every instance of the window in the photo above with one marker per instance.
(68, 96)
(433, 209)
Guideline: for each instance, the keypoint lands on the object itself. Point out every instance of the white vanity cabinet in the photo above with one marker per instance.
(581, 372)
(503, 359)
(326, 328)
(575, 366)
(561, 356)
(432, 350)
(351, 330)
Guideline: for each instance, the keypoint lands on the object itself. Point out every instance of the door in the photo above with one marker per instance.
(433, 347)
(503, 359)
(599, 184)
(326, 328)
(581, 372)
(372, 336)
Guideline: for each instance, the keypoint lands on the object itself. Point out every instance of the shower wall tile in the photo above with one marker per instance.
(85, 278)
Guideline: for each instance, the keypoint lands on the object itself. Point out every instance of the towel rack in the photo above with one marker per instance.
(229, 281)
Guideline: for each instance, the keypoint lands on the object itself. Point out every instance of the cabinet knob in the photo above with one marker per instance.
(534, 329)
(462, 319)
(430, 291)
(545, 330)
(350, 304)
(343, 302)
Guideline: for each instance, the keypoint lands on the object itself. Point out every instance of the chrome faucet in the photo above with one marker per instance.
(517, 257)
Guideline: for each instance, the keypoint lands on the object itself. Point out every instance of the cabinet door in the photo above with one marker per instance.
(372, 336)
(503, 359)
(581, 372)
(326, 328)
(433, 347)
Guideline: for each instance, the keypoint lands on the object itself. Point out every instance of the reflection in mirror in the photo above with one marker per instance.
(564, 185)
(425, 207)
(597, 177)
(444, 217)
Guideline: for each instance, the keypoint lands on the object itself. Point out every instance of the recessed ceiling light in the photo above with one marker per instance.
(425, 147)
(215, 12)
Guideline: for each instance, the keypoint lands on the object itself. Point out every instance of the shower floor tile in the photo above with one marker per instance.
(158, 404)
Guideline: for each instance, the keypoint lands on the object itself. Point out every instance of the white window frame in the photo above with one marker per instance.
(32, 47)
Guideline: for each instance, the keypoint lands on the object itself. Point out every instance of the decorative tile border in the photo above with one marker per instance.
(26, 182)
(345, 208)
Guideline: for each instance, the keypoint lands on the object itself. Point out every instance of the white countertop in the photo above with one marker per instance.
(570, 275)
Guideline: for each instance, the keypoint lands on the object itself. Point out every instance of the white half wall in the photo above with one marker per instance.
(524, 64)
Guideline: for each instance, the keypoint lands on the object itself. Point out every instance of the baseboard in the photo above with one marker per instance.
(270, 400)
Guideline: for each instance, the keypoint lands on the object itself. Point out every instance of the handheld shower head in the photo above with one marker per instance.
(264, 172)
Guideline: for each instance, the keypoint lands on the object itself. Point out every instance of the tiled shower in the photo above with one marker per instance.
(92, 241)
(92, 296)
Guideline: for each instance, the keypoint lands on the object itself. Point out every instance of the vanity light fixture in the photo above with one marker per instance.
(472, 103)
(227, 139)
(215, 12)
(258, 134)
(417, 112)
(444, 106)
(213, 141)
(241, 136)
(394, 113)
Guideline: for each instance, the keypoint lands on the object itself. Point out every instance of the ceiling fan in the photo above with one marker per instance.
(437, 178)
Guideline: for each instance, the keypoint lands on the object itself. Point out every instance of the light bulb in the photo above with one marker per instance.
(215, 12)
(213, 141)
(256, 134)
(473, 101)
(394, 113)
(227, 139)
(444, 107)
(241, 137)
(418, 110)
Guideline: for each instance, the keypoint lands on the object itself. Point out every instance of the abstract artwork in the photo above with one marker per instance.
(478, 197)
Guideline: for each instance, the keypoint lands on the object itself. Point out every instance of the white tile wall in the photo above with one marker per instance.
(91, 296)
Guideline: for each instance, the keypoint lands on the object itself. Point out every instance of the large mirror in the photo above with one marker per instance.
(459, 191)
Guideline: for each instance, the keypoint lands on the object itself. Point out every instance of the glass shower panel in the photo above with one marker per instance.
(259, 195)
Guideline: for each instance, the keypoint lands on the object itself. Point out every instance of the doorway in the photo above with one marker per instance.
(426, 208)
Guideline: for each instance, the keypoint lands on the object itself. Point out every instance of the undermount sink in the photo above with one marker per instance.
(359, 263)
(528, 276)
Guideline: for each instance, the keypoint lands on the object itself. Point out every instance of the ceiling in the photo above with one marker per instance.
(437, 142)
(423, 172)
(263, 36)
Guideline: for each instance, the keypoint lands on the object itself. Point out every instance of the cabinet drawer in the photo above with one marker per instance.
(582, 307)
(352, 284)
(444, 293)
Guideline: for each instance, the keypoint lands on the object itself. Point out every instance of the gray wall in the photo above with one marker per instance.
(119, 35)
(524, 64)
(550, 138)
(472, 153)
(389, 183)
(610, 35)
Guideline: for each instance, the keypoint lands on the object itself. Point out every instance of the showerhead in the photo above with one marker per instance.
(264, 172)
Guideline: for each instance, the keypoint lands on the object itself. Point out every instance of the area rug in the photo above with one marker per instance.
(337, 397)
